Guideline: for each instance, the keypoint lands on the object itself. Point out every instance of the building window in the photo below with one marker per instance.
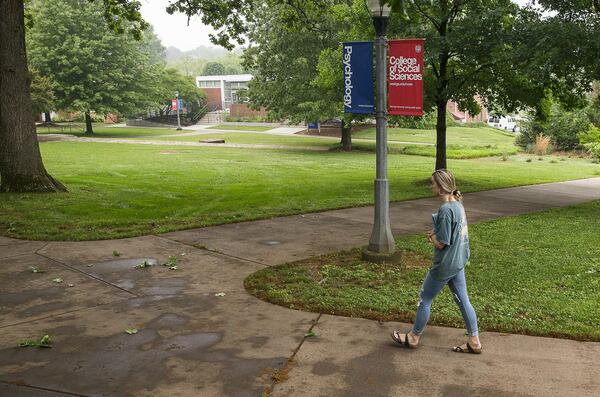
(209, 84)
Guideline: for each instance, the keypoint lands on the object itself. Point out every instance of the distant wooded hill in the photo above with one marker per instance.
(201, 52)
(205, 61)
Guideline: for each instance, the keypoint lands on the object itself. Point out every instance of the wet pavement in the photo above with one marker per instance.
(201, 334)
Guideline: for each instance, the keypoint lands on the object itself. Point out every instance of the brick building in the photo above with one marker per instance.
(464, 116)
(222, 91)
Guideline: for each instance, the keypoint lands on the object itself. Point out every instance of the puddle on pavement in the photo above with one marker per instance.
(147, 281)
(122, 364)
(270, 242)
(118, 265)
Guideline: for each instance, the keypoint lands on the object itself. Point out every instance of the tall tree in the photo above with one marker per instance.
(21, 166)
(42, 93)
(213, 69)
(465, 54)
(296, 58)
(93, 67)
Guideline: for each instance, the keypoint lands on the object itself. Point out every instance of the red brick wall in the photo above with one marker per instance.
(213, 97)
(459, 115)
(242, 110)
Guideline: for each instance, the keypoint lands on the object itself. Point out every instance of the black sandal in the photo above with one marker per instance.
(406, 343)
(470, 349)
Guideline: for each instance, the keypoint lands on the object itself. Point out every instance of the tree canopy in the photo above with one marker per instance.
(93, 67)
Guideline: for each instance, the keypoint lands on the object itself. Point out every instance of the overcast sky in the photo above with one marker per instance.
(173, 30)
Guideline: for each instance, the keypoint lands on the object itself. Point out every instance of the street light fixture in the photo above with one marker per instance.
(382, 247)
(177, 100)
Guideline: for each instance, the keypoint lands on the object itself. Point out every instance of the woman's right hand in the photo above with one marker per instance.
(430, 234)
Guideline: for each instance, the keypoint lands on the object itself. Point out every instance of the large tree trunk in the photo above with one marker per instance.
(21, 166)
(88, 124)
(346, 135)
(442, 90)
(440, 127)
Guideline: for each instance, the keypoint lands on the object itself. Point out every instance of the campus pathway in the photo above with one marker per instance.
(201, 334)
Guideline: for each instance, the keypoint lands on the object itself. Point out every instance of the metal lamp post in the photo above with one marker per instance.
(178, 119)
(382, 247)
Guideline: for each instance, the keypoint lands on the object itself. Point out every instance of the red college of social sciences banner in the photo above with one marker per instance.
(405, 77)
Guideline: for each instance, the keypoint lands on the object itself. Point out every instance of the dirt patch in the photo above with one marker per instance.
(55, 137)
(348, 258)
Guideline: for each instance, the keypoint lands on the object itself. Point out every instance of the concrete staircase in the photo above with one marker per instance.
(215, 117)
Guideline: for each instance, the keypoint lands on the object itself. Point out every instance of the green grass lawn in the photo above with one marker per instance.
(361, 144)
(259, 139)
(536, 274)
(120, 190)
(455, 136)
(233, 127)
(111, 132)
(463, 143)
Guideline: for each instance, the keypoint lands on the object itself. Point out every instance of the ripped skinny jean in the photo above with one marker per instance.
(431, 288)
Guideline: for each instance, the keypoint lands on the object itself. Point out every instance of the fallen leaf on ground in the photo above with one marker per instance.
(309, 334)
(35, 269)
(142, 265)
(131, 331)
(58, 280)
(43, 342)
(220, 294)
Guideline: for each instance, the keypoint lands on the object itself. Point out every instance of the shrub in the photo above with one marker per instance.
(251, 119)
(594, 149)
(592, 135)
(593, 112)
(563, 128)
(542, 144)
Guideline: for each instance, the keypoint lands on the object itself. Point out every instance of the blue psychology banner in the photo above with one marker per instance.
(357, 60)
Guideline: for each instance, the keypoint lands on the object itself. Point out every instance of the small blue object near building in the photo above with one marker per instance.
(313, 125)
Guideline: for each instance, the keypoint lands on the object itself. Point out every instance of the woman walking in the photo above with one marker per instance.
(450, 238)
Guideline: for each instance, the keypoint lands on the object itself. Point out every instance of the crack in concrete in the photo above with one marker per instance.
(18, 255)
(18, 384)
(212, 251)
(63, 313)
(287, 366)
(87, 274)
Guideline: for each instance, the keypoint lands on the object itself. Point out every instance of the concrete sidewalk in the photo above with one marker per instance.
(195, 341)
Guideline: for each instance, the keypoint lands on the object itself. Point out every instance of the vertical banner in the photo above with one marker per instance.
(405, 77)
(173, 104)
(357, 61)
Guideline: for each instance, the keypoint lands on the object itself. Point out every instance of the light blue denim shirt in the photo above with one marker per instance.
(450, 228)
